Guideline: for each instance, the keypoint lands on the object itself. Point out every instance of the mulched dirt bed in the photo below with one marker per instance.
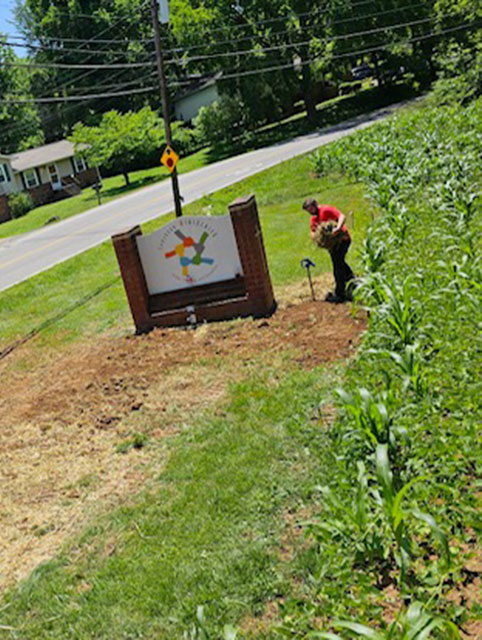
(60, 421)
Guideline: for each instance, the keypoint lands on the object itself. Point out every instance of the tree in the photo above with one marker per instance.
(79, 32)
(266, 33)
(121, 142)
(19, 123)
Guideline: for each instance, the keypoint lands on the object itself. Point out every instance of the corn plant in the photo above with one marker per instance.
(409, 362)
(391, 499)
(376, 525)
(397, 308)
(374, 254)
(414, 623)
(371, 415)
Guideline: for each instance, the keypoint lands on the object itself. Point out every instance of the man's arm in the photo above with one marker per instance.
(341, 222)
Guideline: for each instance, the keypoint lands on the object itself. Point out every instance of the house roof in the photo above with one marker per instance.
(198, 84)
(42, 155)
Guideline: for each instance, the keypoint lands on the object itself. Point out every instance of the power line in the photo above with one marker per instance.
(60, 65)
(94, 96)
(356, 52)
(282, 18)
(84, 41)
(63, 50)
(346, 54)
(302, 43)
(279, 33)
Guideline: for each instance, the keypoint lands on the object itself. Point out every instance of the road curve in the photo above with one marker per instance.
(22, 257)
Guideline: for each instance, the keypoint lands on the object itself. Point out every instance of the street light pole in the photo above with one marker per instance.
(165, 100)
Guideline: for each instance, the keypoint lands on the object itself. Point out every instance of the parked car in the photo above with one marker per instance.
(362, 71)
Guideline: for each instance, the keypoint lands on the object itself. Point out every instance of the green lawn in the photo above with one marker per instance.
(279, 192)
(208, 532)
(328, 113)
(268, 513)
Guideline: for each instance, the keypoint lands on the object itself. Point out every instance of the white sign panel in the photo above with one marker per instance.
(164, 11)
(189, 251)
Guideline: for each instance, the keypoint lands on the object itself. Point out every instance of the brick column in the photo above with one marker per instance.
(249, 238)
(125, 246)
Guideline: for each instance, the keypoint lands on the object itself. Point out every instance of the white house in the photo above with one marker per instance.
(47, 173)
(200, 94)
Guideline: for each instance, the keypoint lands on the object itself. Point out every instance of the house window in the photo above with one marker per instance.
(4, 175)
(80, 164)
(31, 179)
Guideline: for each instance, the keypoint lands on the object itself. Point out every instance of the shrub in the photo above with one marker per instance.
(222, 120)
(460, 78)
(20, 204)
(185, 139)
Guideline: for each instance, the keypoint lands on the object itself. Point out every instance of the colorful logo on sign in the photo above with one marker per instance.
(197, 249)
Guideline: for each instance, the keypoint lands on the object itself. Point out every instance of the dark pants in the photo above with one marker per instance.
(341, 269)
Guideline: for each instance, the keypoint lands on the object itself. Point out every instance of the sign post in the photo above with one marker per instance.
(164, 92)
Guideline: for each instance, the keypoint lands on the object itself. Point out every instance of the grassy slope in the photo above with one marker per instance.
(214, 540)
(207, 534)
(279, 191)
(210, 532)
(329, 112)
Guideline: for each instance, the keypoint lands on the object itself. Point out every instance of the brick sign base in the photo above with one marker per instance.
(248, 295)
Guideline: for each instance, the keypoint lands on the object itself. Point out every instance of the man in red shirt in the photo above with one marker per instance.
(341, 270)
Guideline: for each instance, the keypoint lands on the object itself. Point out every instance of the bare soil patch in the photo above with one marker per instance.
(61, 419)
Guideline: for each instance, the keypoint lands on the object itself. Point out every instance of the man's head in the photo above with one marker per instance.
(311, 206)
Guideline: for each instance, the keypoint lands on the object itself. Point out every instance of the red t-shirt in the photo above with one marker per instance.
(326, 213)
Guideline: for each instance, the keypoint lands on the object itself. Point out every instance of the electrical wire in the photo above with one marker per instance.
(279, 33)
(63, 50)
(346, 54)
(302, 43)
(356, 52)
(94, 96)
(285, 17)
(83, 40)
(60, 65)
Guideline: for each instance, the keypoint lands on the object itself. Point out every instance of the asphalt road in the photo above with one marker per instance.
(23, 256)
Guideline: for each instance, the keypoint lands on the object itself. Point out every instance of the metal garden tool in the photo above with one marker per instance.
(306, 263)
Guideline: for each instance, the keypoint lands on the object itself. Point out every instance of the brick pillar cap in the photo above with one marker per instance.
(128, 233)
(242, 202)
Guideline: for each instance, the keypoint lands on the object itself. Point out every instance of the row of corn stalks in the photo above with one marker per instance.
(422, 289)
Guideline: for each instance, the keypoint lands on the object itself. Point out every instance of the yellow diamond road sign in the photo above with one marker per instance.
(169, 158)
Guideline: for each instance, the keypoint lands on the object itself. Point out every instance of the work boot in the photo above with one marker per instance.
(331, 297)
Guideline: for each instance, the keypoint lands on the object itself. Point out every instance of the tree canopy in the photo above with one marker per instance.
(19, 123)
(273, 56)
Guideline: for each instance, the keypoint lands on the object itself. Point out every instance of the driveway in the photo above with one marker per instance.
(23, 256)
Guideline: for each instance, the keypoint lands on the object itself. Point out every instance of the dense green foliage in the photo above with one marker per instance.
(122, 143)
(275, 57)
(19, 124)
(20, 204)
(406, 444)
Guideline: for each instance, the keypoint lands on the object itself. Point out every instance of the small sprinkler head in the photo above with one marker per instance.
(306, 263)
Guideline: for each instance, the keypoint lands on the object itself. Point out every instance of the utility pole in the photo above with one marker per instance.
(165, 100)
